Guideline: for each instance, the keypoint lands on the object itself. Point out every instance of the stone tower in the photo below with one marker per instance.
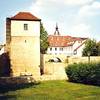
(23, 44)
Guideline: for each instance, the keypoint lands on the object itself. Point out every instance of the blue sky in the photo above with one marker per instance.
(79, 18)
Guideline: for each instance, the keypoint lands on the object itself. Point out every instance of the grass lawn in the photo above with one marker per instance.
(54, 90)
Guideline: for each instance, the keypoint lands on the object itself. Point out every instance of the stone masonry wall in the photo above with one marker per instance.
(56, 71)
(24, 56)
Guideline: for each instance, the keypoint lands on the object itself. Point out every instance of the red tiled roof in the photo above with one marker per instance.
(25, 16)
(62, 41)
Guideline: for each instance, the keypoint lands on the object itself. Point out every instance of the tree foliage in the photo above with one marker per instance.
(98, 48)
(43, 39)
(90, 48)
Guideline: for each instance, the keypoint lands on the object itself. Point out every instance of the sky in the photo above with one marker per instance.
(79, 18)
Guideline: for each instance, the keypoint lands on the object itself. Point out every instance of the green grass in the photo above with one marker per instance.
(54, 90)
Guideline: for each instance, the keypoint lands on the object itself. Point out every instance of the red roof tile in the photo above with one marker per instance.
(25, 16)
(62, 41)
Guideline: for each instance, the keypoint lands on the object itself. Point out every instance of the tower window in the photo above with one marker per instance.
(25, 26)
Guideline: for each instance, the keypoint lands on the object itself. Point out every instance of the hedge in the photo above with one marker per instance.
(88, 73)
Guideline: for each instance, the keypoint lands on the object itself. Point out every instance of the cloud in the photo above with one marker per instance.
(50, 12)
(52, 7)
(43, 8)
(77, 2)
(69, 14)
(90, 10)
(81, 30)
(51, 4)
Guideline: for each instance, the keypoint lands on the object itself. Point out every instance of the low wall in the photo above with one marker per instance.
(56, 71)
(72, 59)
(52, 70)
(83, 59)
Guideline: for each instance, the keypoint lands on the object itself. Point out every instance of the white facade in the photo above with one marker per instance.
(26, 40)
(60, 50)
(66, 45)
(79, 51)
(68, 50)
(17, 28)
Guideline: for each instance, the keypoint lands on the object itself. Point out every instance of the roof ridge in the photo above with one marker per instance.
(62, 40)
(25, 16)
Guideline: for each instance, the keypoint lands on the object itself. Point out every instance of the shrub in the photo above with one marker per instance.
(88, 73)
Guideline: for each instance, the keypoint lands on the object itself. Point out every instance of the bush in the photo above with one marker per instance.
(88, 73)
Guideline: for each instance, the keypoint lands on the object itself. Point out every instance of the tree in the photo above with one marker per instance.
(90, 48)
(43, 39)
(98, 48)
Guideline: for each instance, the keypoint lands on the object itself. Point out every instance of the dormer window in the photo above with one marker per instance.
(25, 26)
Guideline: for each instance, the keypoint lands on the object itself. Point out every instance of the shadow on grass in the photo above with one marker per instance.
(8, 97)
(91, 84)
(13, 87)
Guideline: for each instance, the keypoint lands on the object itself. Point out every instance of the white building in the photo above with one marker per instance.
(66, 45)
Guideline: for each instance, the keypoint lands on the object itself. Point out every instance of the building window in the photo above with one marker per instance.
(50, 49)
(75, 52)
(55, 49)
(61, 49)
(25, 26)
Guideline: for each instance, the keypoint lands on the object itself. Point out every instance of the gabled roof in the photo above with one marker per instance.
(63, 41)
(79, 46)
(25, 16)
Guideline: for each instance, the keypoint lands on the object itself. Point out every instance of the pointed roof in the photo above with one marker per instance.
(56, 31)
(25, 16)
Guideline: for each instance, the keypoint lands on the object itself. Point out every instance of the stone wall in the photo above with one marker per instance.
(23, 47)
(72, 59)
(52, 70)
(24, 56)
(56, 70)
(84, 59)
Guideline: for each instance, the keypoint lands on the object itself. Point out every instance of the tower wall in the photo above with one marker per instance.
(8, 34)
(25, 56)
(23, 47)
